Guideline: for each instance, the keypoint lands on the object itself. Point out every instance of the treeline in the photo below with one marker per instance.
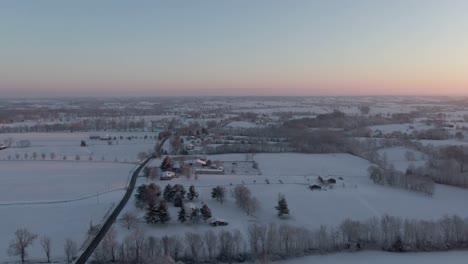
(276, 242)
(338, 119)
(90, 124)
(249, 148)
(409, 181)
(445, 165)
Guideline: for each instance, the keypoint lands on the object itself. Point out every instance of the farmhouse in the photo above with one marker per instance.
(167, 175)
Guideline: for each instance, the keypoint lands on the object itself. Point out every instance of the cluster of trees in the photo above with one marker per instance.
(247, 148)
(194, 216)
(24, 239)
(218, 193)
(148, 197)
(409, 180)
(245, 200)
(88, 124)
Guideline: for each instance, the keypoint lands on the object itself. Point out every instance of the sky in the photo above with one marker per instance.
(241, 47)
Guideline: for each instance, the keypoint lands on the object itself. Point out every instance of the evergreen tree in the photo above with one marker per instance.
(140, 192)
(151, 215)
(140, 196)
(162, 212)
(205, 212)
(178, 200)
(195, 215)
(167, 194)
(178, 188)
(282, 206)
(182, 217)
(192, 194)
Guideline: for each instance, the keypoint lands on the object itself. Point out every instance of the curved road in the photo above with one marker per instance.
(106, 226)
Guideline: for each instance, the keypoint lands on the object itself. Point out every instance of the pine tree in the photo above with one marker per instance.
(178, 188)
(282, 207)
(167, 194)
(192, 194)
(178, 200)
(140, 192)
(195, 215)
(182, 217)
(162, 212)
(205, 212)
(151, 215)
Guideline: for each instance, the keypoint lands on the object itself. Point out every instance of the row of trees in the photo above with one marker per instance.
(24, 239)
(274, 242)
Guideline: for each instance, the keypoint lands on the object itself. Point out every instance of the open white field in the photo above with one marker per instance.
(36, 195)
(353, 197)
(68, 145)
(371, 257)
(42, 181)
(402, 158)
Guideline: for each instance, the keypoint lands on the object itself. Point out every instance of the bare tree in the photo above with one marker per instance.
(128, 220)
(154, 249)
(46, 246)
(242, 196)
(106, 251)
(244, 199)
(211, 240)
(194, 243)
(23, 239)
(70, 249)
(226, 246)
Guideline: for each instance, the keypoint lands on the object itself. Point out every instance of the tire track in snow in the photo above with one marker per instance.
(61, 201)
(367, 204)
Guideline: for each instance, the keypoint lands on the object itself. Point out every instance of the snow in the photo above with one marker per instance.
(58, 199)
(371, 257)
(396, 156)
(353, 197)
(68, 144)
(60, 180)
(241, 124)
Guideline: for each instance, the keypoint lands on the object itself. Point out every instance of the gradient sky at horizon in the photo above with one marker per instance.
(245, 47)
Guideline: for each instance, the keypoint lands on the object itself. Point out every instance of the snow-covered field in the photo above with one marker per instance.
(371, 257)
(241, 124)
(58, 199)
(68, 145)
(353, 197)
(402, 158)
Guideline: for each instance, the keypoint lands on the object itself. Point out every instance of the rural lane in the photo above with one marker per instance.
(83, 258)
